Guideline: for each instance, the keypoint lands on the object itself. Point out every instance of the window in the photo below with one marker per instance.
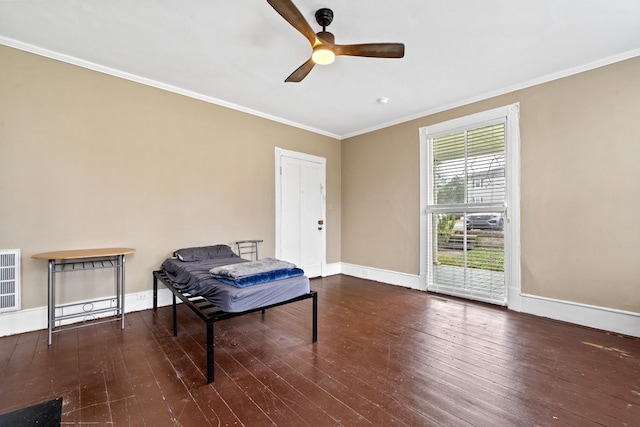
(465, 173)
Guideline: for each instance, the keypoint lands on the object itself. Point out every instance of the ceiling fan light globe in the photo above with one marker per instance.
(322, 55)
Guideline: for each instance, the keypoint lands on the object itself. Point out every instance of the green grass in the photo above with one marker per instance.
(484, 259)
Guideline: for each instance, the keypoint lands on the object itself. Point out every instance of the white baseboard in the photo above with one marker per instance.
(33, 319)
(384, 276)
(331, 269)
(26, 320)
(608, 319)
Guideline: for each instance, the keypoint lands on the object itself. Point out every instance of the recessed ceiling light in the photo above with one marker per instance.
(383, 100)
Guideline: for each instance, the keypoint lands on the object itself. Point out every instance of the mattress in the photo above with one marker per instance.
(194, 278)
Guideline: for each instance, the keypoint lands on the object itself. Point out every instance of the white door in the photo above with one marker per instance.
(300, 210)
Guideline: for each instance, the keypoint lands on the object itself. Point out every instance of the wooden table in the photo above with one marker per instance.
(80, 260)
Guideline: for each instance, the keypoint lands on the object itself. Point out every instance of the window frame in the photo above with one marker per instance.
(511, 115)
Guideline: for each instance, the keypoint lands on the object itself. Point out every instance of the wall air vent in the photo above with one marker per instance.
(9, 280)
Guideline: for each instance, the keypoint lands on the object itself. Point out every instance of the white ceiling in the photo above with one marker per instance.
(238, 53)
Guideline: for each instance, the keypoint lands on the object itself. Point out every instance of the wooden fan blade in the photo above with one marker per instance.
(292, 15)
(301, 72)
(372, 50)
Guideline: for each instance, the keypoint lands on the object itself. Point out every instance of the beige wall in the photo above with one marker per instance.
(580, 197)
(89, 160)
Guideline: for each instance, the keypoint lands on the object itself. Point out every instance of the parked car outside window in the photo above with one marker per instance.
(485, 221)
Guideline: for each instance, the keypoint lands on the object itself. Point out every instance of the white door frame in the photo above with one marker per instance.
(279, 153)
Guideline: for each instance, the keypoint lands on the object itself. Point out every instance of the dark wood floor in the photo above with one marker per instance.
(385, 356)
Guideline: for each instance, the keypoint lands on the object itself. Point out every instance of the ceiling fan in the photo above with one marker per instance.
(323, 43)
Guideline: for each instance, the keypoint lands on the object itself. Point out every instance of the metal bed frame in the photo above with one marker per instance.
(210, 313)
(248, 247)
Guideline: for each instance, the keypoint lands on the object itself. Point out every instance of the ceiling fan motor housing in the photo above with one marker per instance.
(324, 17)
(326, 36)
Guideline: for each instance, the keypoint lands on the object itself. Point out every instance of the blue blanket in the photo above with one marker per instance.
(256, 279)
(235, 271)
(255, 272)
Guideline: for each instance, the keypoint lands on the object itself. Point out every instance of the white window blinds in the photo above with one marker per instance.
(469, 167)
(466, 212)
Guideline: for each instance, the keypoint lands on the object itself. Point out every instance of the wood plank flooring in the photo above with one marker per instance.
(385, 356)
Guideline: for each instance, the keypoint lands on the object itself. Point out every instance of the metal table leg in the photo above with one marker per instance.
(121, 291)
(51, 307)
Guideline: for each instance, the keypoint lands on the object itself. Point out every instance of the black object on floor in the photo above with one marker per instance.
(46, 414)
